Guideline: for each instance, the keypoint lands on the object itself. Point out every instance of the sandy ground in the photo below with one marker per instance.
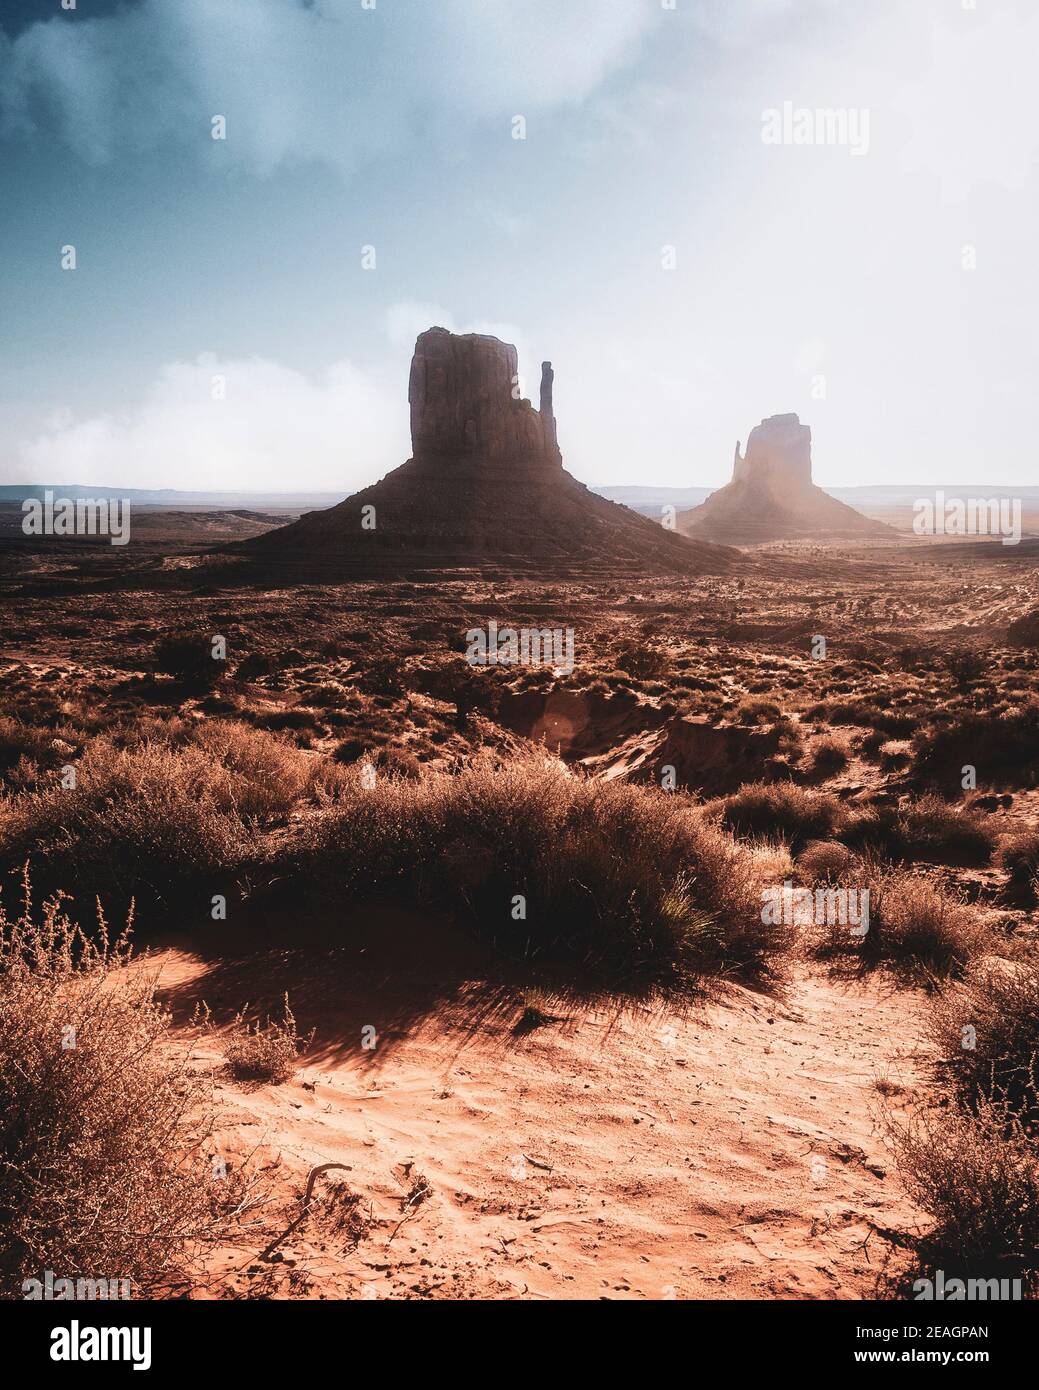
(733, 1151)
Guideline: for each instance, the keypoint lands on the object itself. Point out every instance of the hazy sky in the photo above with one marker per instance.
(831, 279)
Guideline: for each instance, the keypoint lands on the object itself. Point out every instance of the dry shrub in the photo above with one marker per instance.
(871, 743)
(929, 828)
(757, 711)
(263, 775)
(824, 861)
(18, 741)
(799, 815)
(188, 658)
(397, 762)
(894, 721)
(830, 755)
(382, 675)
(895, 755)
(1019, 857)
(298, 719)
(620, 881)
(791, 738)
(966, 665)
(147, 821)
(915, 928)
(643, 661)
(1001, 745)
(977, 1177)
(102, 1174)
(988, 1032)
(265, 1051)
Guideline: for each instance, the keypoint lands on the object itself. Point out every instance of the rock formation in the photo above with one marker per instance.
(548, 376)
(614, 734)
(485, 486)
(465, 404)
(772, 496)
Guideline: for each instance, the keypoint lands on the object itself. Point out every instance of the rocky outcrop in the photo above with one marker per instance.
(485, 488)
(772, 496)
(577, 724)
(619, 736)
(700, 754)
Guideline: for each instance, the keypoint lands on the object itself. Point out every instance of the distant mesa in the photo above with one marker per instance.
(485, 487)
(772, 497)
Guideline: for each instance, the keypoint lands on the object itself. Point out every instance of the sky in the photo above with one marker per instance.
(243, 310)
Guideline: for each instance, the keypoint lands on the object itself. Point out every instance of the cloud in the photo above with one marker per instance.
(326, 81)
(274, 430)
(972, 109)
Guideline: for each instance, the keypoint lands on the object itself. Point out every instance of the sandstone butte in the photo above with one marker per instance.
(772, 496)
(485, 488)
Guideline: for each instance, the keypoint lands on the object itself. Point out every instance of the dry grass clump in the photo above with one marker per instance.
(1018, 855)
(19, 740)
(824, 861)
(266, 1051)
(915, 928)
(929, 828)
(1000, 745)
(977, 1177)
(146, 821)
(757, 711)
(263, 775)
(795, 813)
(830, 755)
(620, 881)
(188, 658)
(988, 1033)
(974, 1165)
(897, 721)
(101, 1171)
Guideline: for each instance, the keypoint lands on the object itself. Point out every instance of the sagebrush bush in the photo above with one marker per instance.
(830, 755)
(188, 658)
(795, 813)
(977, 1177)
(267, 1051)
(148, 821)
(102, 1170)
(929, 828)
(619, 880)
(915, 927)
(987, 1030)
(1019, 856)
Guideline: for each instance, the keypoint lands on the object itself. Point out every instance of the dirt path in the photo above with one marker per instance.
(732, 1152)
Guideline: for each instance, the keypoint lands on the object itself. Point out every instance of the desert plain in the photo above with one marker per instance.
(463, 1103)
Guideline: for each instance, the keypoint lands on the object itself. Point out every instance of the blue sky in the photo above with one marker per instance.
(807, 278)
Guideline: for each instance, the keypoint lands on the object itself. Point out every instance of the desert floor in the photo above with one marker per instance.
(734, 1146)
